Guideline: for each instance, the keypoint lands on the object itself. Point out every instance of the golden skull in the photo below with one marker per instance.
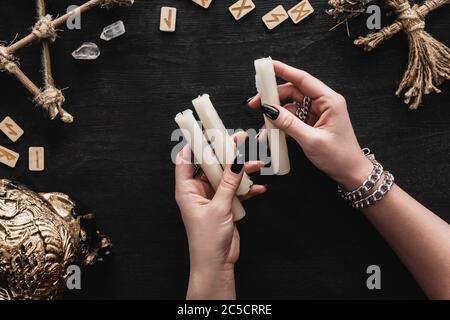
(41, 235)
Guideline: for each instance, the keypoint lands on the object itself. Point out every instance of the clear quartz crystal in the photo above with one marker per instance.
(113, 31)
(87, 51)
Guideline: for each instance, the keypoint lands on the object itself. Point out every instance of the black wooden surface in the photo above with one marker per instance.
(299, 240)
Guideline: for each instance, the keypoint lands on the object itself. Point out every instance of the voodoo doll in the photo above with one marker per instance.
(429, 59)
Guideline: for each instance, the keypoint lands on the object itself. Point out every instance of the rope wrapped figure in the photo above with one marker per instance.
(429, 60)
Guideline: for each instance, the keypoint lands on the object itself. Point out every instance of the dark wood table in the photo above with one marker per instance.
(299, 240)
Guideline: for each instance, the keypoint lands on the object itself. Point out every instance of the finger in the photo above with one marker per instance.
(306, 83)
(231, 179)
(311, 117)
(288, 122)
(291, 107)
(184, 169)
(262, 134)
(253, 166)
(249, 167)
(254, 191)
(285, 91)
(240, 137)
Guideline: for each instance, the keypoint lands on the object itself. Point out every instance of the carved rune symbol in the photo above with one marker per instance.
(301, 11)
(10, 127)
(275, 17)
(168, 20)
(243, 7)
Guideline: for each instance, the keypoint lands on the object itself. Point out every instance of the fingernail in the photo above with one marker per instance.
(270, 111)
(247, 101)
(238, 164)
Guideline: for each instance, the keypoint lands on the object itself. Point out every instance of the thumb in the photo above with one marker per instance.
(287, 121)
(231, 179)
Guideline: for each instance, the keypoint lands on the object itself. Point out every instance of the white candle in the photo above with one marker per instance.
(222, 143)
(266, 84)
(205, 156)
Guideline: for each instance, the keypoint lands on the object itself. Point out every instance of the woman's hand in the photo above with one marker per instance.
(327, 137)
(212, 234)
(419, 237)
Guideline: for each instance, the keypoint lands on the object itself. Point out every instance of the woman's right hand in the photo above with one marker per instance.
(419, 237)
(327, 138)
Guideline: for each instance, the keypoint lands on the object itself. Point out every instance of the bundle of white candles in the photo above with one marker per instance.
(216, 133)
(212, 161)
(215, 148)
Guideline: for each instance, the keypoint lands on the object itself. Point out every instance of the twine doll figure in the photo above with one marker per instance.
(429, 59)
(49, 98)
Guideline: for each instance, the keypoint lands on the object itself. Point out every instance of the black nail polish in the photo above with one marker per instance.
(270, 111)
(238, 164)
(247, 101)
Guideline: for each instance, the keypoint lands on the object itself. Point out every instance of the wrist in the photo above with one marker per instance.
(212, 283)
(357, 174)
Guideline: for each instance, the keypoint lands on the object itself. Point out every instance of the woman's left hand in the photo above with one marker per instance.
(212, 234)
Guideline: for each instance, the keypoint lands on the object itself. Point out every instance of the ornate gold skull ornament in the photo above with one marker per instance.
(41, 235)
